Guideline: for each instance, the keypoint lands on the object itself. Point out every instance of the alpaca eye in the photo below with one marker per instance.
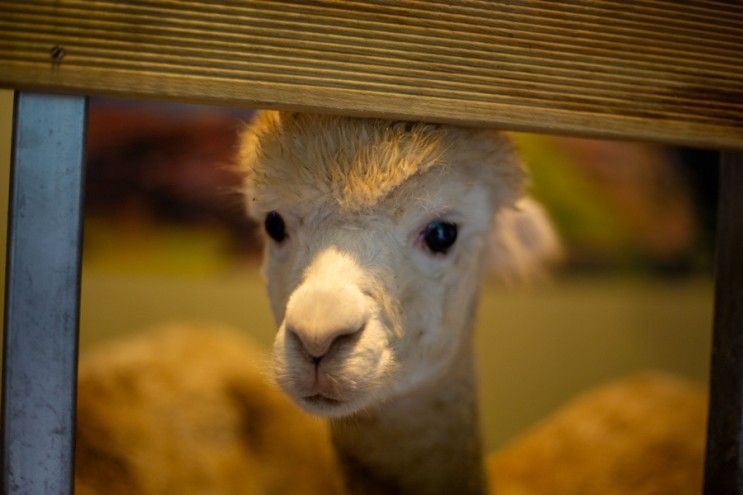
(275, 226)
(439, 236)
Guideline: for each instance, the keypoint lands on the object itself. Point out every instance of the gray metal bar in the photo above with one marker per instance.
(724, 466)
(42, 294)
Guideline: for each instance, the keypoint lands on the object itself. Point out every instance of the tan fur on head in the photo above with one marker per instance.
(356, 162)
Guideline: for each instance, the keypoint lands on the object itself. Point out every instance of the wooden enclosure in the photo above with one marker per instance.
(657, 70)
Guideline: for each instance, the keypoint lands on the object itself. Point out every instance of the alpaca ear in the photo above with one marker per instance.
(523, 243)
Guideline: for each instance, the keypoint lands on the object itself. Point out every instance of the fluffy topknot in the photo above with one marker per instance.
(356, 162)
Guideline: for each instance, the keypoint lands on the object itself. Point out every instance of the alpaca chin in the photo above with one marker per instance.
(320, 405)
(340, 389)
(328, 402)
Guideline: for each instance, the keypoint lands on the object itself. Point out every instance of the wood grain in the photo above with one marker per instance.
(647, 69)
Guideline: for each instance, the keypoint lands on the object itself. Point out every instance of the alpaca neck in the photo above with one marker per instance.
(426, 442)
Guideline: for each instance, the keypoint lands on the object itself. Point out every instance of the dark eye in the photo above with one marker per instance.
(439, 236)
(275, 226)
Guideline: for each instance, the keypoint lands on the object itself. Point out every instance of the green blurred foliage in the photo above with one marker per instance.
(585, 218)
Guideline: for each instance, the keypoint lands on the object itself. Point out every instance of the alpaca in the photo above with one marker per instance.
(377, 235)
(641, 435)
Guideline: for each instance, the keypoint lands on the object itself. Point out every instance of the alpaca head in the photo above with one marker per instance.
(376, 233)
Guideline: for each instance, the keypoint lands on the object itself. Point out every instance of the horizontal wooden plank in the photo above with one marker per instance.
(648, 69)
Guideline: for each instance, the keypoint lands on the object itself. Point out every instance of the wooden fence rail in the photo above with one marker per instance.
(651, 69)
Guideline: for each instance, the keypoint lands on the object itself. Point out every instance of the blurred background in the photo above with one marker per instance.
(166, 240)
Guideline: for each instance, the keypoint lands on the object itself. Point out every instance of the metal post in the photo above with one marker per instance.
(724, 467)
(42, 294)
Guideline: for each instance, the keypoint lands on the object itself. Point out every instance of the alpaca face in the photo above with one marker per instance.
(371, 301)
(367, 310)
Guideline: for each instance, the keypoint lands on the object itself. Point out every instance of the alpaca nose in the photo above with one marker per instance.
(320, 319)
(316, 347)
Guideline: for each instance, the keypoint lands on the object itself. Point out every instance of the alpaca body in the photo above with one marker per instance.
(641, 435)
(188, 409)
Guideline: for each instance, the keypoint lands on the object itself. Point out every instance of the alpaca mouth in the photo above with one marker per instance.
(321, 400)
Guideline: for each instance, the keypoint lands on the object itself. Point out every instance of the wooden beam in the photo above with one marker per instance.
(648, 69)
(724, 469)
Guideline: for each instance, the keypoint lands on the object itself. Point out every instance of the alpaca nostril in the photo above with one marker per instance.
(315, 345)
(298, 342)
(346, 337)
